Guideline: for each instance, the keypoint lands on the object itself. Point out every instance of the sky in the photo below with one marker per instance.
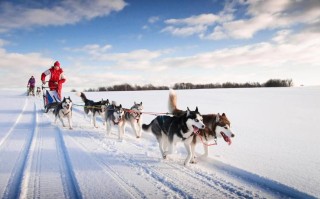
(161, 42)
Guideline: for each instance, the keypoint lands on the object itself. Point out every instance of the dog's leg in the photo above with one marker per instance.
(187, 144)
(121, 126)
(62, 121)
(134, 127)
(70, 122)
(193, 159)
(139, 125)
(108, 128)
(161, 147)
(206, 149)
(94, 120)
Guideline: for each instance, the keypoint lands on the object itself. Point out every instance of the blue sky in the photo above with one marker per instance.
(103, 43)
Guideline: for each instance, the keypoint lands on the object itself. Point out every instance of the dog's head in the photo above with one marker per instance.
(104, 105)
(118, 112)
(66, 103)
(223, 128)
(137, 106)
(105, 102)
(137, 109)
(194, 119)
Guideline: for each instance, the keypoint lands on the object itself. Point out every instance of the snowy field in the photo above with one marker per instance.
(274, 154)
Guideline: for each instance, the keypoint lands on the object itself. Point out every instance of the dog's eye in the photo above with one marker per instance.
(225, 127)
(196, 120)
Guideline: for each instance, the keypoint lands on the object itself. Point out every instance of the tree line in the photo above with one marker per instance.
(181, 86)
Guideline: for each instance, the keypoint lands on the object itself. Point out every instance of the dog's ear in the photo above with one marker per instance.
(141, 103)
(196, 110)
(223, 114)
(120, 106)
(218, 117)
(188, 111)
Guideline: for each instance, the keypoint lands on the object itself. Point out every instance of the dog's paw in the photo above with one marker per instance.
(70, 128)
(193, 162)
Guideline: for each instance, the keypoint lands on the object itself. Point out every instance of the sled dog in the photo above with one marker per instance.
(64, 109)
(38, 92)
(216, 126)
(94, 108)
(171, 129)
(114, 116)
(133, 116)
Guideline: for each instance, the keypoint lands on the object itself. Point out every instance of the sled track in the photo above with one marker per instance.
(13, 187)
(15, 124)
(108, 169)
(30, 182)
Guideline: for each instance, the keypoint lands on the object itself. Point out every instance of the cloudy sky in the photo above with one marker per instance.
(160, 42)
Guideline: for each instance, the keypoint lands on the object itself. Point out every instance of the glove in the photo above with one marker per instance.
(43, 82)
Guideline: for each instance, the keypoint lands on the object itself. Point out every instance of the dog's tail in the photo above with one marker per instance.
(172, 102)
(146, 127)
(82, 95)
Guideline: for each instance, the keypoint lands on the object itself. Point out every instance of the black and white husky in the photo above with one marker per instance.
(171, 129)
(94, 108)
(64, 109)
(133, 116)
(115, 117)
(217, 126)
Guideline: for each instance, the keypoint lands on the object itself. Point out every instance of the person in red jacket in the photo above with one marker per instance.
(56, 78)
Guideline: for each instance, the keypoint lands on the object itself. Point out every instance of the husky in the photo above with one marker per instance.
(216, 126)
(114, 116)
(64, 109)
(171, 129)
(38, 92)
(133, 116)
(94, 108)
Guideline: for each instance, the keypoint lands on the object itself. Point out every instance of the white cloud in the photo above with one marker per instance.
(153, 19)
(260, 15)
(60, 13)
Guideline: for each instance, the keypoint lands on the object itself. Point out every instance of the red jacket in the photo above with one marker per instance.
(56, 76)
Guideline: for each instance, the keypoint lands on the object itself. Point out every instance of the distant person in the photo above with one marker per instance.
(56, 78)
(31, 84)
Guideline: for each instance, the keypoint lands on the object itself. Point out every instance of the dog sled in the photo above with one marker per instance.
(50, 99)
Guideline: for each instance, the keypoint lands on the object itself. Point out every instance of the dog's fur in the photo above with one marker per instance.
(94, 108)
(133, 116)
(38, 91)
(171, 129)
(114, 116)
(217, 126)
(64, 109)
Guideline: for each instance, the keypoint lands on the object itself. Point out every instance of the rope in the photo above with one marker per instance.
(215, 140)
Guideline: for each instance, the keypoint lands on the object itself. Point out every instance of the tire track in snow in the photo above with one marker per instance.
(48, 173)
(15, 124)
(25, 132)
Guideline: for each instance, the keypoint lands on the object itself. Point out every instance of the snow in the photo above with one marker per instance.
(274, 154)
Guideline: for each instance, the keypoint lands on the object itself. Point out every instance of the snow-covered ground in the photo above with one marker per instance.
(274, 154)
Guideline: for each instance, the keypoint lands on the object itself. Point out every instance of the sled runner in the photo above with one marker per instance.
(50, 99)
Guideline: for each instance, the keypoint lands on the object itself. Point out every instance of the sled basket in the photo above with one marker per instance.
(50, 99)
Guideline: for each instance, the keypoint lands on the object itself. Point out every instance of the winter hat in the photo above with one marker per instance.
(56, 63)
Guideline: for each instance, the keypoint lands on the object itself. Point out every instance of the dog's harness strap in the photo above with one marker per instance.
(215, 140)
